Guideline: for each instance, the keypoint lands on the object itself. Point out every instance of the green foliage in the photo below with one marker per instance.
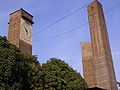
(18, 71)
(23, 72)
(59, 76)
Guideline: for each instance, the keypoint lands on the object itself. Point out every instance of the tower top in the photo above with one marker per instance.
(24, 14)
(21, 10)
(95, 2)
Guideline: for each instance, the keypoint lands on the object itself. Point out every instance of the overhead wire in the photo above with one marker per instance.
(76, 28)
(61, 34)
(62, 18)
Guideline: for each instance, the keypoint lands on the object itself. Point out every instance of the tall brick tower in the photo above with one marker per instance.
(20, 30)
(96, 56)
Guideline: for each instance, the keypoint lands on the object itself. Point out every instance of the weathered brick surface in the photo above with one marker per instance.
(25, 47)
(14, 31)
(88, 64)
(104, 75)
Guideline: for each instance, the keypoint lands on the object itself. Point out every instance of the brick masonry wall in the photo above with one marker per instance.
(14, 31)
(101, 52)
(88, 68)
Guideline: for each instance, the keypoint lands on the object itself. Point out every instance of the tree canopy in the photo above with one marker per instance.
(60, 76)
(19, 71)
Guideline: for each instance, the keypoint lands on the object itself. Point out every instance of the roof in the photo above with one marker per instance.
(21, 9)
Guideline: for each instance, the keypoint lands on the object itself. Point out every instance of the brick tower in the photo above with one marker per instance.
(96, 56)
(20, 30)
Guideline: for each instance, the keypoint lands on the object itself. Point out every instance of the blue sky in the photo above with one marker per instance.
(66, 47)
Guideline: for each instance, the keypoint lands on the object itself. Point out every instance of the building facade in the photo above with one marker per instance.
(20, 30)
(96, 55)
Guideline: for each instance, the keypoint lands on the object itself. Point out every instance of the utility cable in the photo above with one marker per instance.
(45, 28)
(59, 35)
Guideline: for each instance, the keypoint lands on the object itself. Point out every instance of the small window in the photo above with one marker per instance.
(92, 7)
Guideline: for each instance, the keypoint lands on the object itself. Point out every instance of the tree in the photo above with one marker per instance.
(60, 76)
(17, 70)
